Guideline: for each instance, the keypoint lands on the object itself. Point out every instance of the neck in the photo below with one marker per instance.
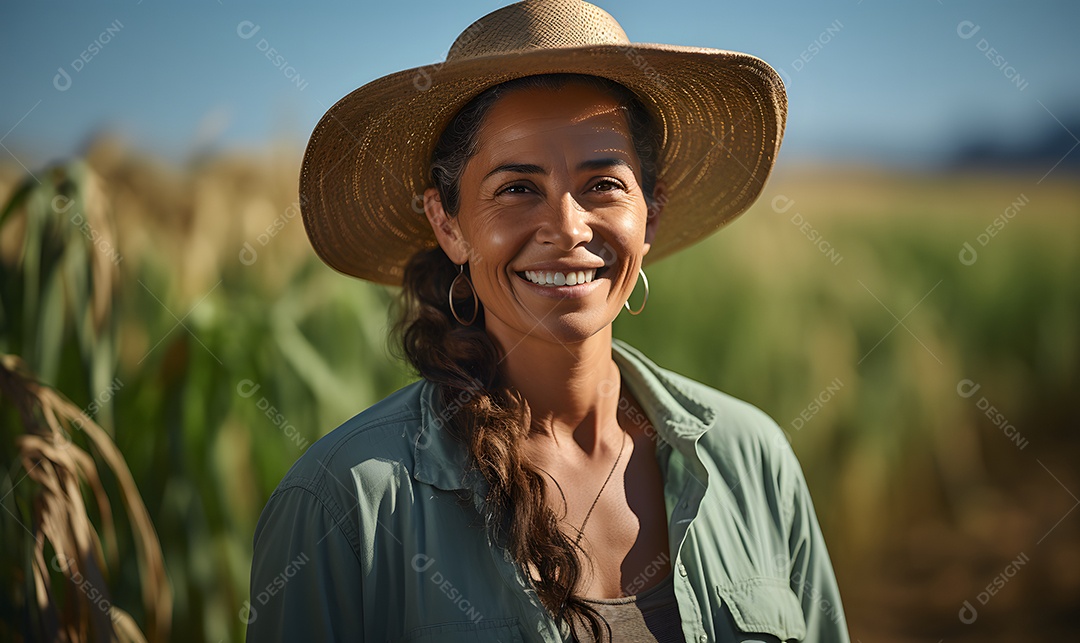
(572, 389)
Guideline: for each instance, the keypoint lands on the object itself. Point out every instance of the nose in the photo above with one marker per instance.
(564, 224)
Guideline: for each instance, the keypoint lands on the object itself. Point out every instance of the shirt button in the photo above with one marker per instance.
(703, 638)
(682, 569)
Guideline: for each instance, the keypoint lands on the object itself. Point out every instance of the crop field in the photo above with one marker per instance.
(914, 334)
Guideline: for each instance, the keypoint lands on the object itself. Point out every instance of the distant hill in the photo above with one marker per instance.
(1050, 147)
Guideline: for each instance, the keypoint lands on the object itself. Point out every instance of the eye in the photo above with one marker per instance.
(514, 188)
(608, 185)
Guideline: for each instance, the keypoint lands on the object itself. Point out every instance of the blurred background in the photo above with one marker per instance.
(903, 299)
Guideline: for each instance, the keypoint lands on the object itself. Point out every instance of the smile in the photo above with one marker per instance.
(554, 279)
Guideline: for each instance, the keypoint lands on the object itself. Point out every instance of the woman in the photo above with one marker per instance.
(541, 481)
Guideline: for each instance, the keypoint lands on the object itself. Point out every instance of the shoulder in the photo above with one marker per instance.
(737, 439)
(739, 426)
(361, 459)
(750, 452)
(728, 421)
(380, 431)
(740, 433)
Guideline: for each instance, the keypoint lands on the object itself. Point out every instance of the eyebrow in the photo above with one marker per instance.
(529, 168)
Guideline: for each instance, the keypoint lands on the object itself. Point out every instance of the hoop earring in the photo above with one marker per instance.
(476, 300)
(626, 304)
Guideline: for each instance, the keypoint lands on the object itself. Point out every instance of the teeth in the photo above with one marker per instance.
(572, 278)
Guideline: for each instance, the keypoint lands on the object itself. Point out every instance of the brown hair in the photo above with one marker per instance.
(485, 413)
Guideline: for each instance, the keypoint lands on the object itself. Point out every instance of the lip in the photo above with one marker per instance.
(561, 267)
(563, 292)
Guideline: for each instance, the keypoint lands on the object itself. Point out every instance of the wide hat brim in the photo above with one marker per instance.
(721, 116)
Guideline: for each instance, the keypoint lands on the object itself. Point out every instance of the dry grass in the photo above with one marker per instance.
(64, 540)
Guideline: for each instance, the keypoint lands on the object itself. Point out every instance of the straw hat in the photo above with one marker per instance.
(721, 115)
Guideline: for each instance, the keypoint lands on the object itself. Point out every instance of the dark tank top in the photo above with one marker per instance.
(651, 616)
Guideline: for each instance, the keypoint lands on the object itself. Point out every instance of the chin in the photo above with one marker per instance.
(571, 328)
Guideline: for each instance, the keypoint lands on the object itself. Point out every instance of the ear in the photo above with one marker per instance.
(652, 220)
(446, 228)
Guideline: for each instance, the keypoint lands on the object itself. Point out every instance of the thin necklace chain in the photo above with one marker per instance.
(581, 531)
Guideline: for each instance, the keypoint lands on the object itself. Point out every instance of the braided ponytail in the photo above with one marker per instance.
(489, 416)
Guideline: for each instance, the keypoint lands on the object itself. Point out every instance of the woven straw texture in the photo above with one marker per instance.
(721, 116)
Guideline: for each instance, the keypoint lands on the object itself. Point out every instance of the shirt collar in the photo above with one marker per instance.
(668, 400)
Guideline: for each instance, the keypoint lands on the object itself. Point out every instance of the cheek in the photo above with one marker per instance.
(635, 228)
(493, 247)
(629, 232)
(502, 242)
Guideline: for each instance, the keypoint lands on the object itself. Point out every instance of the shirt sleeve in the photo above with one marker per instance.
(306, 577)
(812, 577)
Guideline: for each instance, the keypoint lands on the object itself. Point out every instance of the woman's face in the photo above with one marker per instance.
(552, 195)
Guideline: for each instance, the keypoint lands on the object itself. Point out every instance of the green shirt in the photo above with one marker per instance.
(373, 535)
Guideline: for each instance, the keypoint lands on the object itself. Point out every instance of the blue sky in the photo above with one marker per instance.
(868, 81)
